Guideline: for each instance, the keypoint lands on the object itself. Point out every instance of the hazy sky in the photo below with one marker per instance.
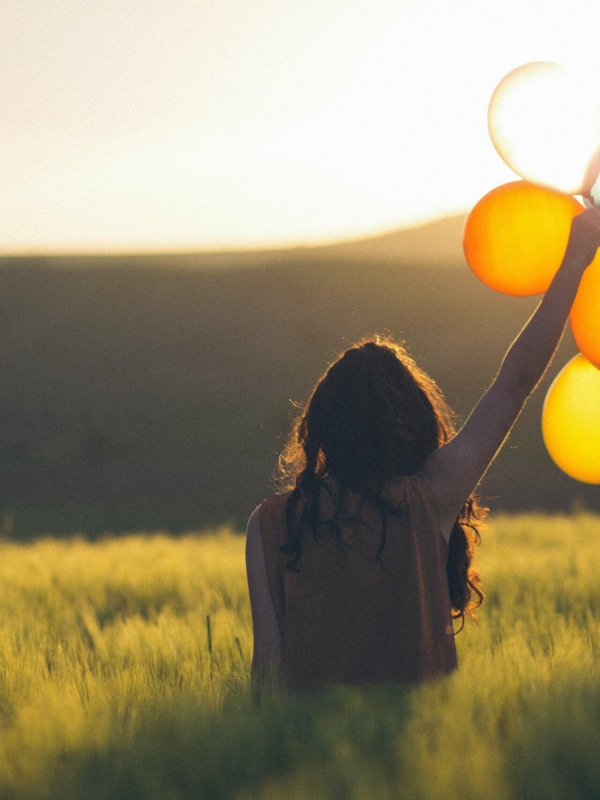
(158, 124)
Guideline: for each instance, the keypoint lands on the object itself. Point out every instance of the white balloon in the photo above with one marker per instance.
(544, 121)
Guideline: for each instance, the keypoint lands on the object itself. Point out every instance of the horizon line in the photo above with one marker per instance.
(106, 252)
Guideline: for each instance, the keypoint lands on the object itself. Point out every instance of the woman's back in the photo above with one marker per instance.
(345, 615)
(373, 415)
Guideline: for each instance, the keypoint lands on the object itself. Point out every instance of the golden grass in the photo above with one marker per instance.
(109, 689)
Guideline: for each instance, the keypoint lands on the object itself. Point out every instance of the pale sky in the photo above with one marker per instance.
(154, 124)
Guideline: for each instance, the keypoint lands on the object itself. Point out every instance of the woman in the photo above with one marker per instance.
(356, 570)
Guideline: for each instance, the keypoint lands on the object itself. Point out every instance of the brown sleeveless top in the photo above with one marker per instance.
(347, 618)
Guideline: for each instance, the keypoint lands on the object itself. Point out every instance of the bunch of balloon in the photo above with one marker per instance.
(544, 121)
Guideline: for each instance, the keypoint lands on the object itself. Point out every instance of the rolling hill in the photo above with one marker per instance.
(154, 391)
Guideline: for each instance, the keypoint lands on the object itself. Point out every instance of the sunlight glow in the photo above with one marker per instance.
(148, 125)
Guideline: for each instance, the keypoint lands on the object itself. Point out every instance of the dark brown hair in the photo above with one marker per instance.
(372, 416)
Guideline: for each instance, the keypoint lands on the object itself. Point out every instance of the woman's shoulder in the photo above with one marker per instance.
(273, 504)
(267, 524)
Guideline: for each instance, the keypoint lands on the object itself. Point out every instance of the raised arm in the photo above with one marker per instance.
(455, 469)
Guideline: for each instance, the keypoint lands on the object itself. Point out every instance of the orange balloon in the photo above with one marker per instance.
(585, 314)
(516, 236)
(571, 420)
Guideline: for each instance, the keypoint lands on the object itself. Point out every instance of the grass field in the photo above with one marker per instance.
(124, 674)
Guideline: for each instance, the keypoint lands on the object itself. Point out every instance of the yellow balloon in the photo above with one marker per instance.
(516, 236)
(571, 420)
(544, 121)
(585, 314)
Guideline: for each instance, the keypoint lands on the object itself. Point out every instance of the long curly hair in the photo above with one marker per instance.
(372, 416)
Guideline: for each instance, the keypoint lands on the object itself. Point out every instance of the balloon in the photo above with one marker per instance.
(594, 193)
(516, 236)
(585, 314)
(544, 121)
(571, 420)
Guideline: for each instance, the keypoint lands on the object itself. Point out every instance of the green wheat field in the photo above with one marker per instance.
(124, 673)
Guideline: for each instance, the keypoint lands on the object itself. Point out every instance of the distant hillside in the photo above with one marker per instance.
(436, 243)
(159, 397)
